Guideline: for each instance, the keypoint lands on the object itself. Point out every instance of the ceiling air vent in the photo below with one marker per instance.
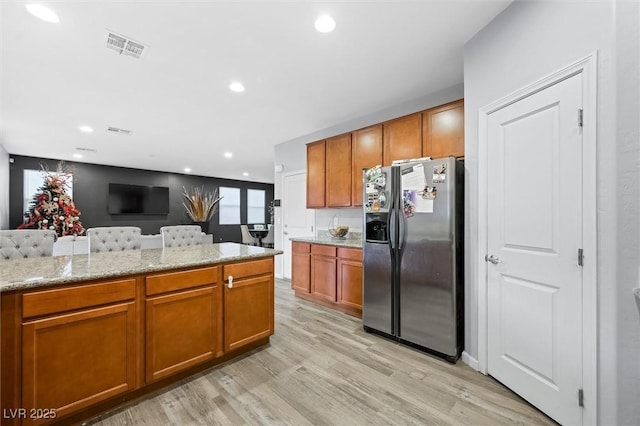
(118, 130)
(125, 45)
(85, 149)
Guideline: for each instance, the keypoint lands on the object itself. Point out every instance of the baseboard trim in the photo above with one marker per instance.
(470, 361)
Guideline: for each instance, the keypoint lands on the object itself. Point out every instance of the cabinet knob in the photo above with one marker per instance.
(230, 284)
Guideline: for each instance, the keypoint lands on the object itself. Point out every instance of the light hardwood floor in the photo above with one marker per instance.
(321, 368)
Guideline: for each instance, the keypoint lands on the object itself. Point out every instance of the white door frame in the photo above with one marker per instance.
(283, 246)
(587, 66)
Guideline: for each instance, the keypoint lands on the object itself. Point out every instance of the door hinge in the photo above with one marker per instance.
(580, 398)
(580, 257)
(580, 118)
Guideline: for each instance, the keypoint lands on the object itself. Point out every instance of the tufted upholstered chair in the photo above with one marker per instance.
(114, 238)
(247, 238)
(21, 243)
(181, 235)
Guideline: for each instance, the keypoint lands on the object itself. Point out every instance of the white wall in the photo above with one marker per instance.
(628, 209)
(4, 188)
(526, 42)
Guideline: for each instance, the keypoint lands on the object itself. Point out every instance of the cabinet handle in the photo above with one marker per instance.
(230, 285)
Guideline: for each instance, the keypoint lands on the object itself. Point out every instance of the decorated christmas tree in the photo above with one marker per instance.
(52, 207)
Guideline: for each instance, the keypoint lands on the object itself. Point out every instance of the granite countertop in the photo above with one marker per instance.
(44, 271)
(352, 240)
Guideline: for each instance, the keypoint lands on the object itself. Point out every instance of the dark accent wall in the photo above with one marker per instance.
(90, 194)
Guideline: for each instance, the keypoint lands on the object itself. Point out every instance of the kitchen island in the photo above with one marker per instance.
(81, 334)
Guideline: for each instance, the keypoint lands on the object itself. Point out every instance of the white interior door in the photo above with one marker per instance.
(534, 210)
(298, 221)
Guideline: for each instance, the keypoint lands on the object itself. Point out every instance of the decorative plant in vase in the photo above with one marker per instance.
(201, 205)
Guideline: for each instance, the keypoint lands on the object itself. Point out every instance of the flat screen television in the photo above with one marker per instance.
(138, 199)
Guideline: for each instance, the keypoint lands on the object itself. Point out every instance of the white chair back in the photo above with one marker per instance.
(114, 238)
(246, 236)
(268, 240)
(23, 243)
(181, 235)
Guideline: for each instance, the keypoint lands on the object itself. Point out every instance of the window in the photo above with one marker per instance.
(255, 206)
(33, 180)
(229, 206)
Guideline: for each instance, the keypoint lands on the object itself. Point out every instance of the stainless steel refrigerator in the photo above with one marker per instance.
(413, 254)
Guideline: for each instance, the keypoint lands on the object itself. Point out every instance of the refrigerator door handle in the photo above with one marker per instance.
(390, 222)
(402, 222)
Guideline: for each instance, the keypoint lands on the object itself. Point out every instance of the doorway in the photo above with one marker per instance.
(536, 287)
(297, 220)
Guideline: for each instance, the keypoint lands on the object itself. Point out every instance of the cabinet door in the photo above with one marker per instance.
(366, 152)
(74, 360)
(443, 130)
(323, 277)
(402, 138)
(300, 267)
(248, 311)
(316, 174)
(338, 171)
(350, 283)
(181, 331)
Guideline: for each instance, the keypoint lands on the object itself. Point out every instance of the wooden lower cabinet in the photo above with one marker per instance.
(248, 303)
(334, 274)
(181, 331)
(301, 267)
(79, 354)
(323, 272)
(183, 321)
(349, 278)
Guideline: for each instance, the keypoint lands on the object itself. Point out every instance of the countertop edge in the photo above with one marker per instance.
(357, 243)
(6, 287)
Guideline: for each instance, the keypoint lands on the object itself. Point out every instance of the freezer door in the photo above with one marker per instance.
(377, 306)
(427, 258)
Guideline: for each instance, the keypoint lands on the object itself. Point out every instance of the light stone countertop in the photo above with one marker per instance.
(44, 271)
(352, 240)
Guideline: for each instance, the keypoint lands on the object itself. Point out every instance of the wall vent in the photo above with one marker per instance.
(118, 130)
(125, 45)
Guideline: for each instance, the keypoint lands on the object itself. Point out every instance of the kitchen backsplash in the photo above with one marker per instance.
(349, 217)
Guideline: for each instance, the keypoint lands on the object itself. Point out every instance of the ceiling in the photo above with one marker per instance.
(175, 100)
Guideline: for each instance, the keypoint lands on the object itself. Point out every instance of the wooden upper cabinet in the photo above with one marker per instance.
(402, 138)
(338, 170)
(443, 130)
(316, 174)
(366, 152)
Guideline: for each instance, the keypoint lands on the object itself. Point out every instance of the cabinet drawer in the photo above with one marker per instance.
(323, 250)
(347, 253)
(248, 269)
(163, 283)
(71, 298)
(297, 247)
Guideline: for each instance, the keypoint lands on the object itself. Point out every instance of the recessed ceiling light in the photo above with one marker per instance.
(42, 12)
(187, 170)
(76, 155)
(85, 129)
(245, 173)
(228, 154)
(325, 24)
(237, 87)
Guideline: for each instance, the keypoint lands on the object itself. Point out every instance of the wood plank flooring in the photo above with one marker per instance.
(321, 368)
